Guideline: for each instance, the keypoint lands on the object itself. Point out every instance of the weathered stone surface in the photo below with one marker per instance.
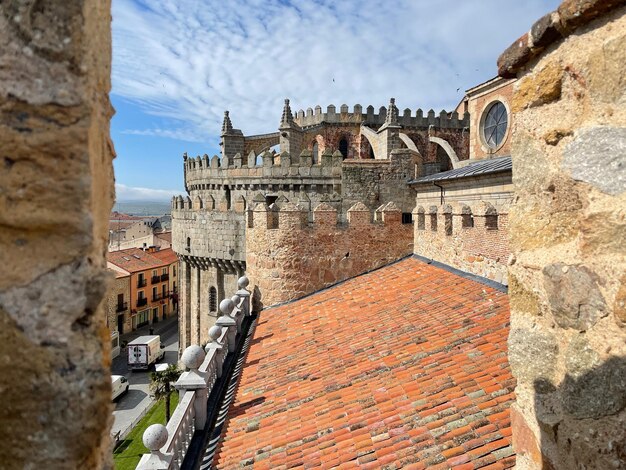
(606, 71)
(598, 156)
(545, 31)
(574, 13)
(515, 55)
(619, 307)
(532, 354)
(573, 295)
(580, 356)
(56, 177)
(540, 87)
(598, 392)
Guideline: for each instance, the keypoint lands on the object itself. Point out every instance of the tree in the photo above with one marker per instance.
(161, 385)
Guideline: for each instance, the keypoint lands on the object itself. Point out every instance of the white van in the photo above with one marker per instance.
(120, 386)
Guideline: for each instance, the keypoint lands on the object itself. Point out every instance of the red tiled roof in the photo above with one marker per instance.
(134, 260)
(167, 255)
(404, 366)
(166, 236)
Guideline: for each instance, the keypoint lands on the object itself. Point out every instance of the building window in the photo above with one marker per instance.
(421, 219)
(467, 219)
(188, 247)
(174, 271)
(315, 153)
(213, 299)
(407, 218)
(494, 124)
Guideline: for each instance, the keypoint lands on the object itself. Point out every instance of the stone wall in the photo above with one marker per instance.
(57, 194)
(567, 346)
(287, 258)
(212, 233)
(469, 231)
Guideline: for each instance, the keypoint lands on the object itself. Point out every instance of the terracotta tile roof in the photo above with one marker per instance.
(119, 272)
(403, 367)
(134, 260)
(167, 236)
(166, 255)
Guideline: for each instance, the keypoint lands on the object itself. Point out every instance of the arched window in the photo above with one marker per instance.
(212, 299)
(315, 153)
(343, 147)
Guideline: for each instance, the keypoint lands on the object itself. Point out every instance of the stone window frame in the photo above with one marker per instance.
(485, 147)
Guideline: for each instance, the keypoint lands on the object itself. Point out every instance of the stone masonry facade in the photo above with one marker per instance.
(288, 258)
(57, 192)
(335, 160)
(567, 346)
(468, 228)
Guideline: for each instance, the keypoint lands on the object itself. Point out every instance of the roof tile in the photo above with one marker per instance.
(392, 380)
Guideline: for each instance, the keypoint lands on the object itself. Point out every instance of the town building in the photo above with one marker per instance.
(152, 285)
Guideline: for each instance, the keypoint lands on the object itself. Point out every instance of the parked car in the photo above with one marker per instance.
(120, 386)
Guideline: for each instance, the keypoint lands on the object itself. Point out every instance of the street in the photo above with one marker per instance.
(131, 406)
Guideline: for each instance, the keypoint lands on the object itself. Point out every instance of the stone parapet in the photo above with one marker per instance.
(314, 117)
(567, 345)
(287, 257)
(209, 234)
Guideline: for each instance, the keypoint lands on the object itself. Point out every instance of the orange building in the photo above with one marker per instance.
(152, 275)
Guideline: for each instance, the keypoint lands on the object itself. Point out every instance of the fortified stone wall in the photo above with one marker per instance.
(211, 234)
(288, 258)
(470, 229)
(567, 346)
(57, 194)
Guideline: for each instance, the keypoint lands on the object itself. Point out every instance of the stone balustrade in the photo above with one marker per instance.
(169, 444)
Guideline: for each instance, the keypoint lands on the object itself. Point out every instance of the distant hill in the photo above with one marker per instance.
(143, 208)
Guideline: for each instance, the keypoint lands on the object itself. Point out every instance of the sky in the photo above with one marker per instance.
(178, 64)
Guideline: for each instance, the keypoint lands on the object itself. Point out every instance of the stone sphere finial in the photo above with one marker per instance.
(215, 332)
(193, 356)
(236, 299)
(155, 437)
(226, 306)
(226, 113)
(243, 282)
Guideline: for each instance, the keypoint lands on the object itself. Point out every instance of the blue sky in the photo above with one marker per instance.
(178, 64)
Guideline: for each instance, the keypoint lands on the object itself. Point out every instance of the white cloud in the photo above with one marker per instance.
(189, 60)
(130, 193)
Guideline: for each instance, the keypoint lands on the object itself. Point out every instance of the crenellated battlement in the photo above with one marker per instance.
(291, 216)
(288, 257)
(369, 116)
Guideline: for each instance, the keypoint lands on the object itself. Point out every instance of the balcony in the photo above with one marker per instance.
(141, 302)
(156, 297)
(122, 307)
(165, 277)
(141, 283)
(155, 279)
